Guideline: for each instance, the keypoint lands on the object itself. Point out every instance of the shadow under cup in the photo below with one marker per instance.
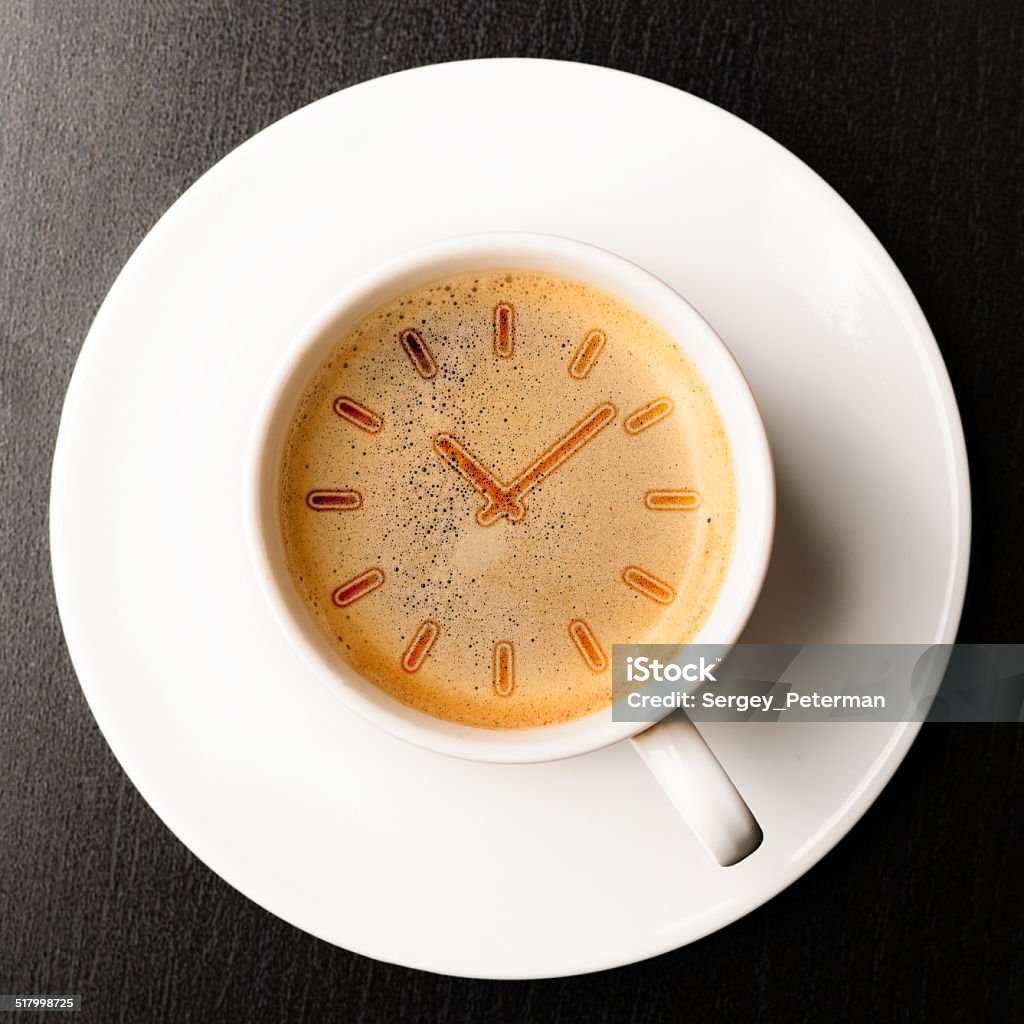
(543, 254)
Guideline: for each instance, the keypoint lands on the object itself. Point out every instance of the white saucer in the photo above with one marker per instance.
(403, 855)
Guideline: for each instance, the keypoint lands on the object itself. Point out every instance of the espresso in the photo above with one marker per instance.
(493, 478)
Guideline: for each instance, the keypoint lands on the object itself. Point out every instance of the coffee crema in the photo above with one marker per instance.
(490, 480)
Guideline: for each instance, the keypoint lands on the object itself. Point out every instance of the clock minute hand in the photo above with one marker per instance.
(562, 450)
(471, 469)
(557, 455)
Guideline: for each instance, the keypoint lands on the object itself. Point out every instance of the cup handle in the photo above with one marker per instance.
(698, 786)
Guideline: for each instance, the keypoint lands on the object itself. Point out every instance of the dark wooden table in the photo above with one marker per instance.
(914, 113)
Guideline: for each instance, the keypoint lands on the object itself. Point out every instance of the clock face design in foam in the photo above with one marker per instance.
(494, 478)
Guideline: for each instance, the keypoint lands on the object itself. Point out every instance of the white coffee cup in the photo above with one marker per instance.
(674, 750)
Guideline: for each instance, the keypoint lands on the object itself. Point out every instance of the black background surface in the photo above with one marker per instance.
(913, 112)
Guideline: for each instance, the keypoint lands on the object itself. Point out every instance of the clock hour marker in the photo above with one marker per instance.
(504, 330)
(419, 646)
(672, 501)
(334, 501)
(358, 415)
(418, 352)
(647, 415)
(586, 643)
(504, 668)
(586, 354)
(357, 587)
(648, 585)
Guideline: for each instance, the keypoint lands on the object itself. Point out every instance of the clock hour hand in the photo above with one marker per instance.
(557, 455)
(471, 469)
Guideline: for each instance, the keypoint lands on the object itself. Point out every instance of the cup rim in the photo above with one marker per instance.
(555, 254)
